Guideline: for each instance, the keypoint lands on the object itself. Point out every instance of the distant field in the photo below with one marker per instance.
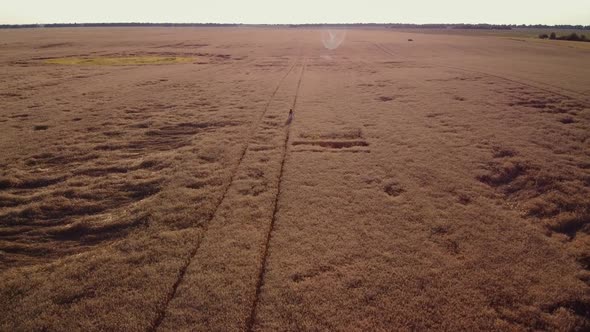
(531, 35)
(524, 32)
(150, 180)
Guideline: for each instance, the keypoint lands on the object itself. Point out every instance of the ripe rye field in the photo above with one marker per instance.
(439, 184)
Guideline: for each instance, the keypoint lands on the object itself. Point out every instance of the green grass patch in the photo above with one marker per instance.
(120, 61)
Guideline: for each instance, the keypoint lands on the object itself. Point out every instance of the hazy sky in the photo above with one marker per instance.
(296, 11)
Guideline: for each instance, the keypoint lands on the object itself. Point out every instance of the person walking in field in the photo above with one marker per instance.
(290, 118)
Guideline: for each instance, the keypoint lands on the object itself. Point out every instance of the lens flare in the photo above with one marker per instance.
(333, 38)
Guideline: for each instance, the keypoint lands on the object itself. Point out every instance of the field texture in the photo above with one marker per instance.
(150, 180)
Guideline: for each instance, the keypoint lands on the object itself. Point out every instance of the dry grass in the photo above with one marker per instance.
(436, 185)
(120, 61)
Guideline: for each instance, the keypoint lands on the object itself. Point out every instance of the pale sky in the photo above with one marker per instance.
(296, 11)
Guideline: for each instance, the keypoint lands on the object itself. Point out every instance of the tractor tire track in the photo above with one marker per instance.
(162, 312)
(263, 262)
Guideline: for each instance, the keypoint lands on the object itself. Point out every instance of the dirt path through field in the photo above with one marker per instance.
(229, 266)
(162, 313)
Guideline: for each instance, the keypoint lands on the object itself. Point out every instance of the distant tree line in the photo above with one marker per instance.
(311, 25)
(100, 25)
(407, 26)
(560, 26)
(572, 36)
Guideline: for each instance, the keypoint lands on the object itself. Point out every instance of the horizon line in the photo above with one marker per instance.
(299, 24)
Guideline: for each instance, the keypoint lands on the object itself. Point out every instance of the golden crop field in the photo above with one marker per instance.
(150, 179)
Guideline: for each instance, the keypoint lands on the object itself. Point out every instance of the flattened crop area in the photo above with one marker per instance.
(418, 186)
